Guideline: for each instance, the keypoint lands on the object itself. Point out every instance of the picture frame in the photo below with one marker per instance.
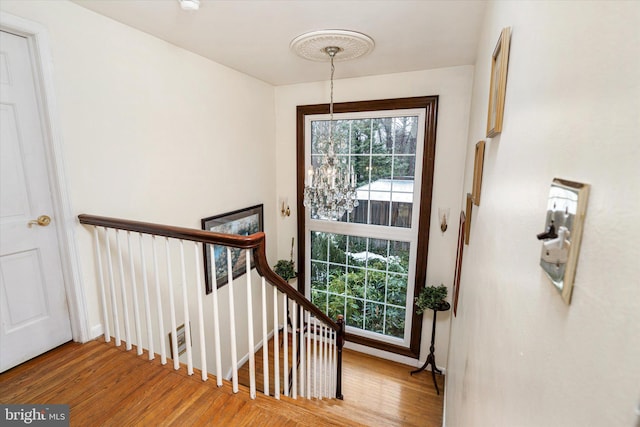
(478, 166)
(498, 83)
(243, 222)
(467, 224)
(182, 340)
(458, 270)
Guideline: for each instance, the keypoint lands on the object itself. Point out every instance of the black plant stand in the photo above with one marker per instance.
(431, 358)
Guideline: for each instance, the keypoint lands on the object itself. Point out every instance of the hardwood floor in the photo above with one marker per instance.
(385, 392)
(105, 385)
(376, 391)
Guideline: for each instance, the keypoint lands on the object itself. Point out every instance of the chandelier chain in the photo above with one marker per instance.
(333, 70)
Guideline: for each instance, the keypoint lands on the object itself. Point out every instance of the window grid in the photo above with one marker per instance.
(348, 156)
(381, 149)
(344, 295)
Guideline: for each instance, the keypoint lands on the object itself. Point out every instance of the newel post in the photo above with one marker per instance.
(339, 343)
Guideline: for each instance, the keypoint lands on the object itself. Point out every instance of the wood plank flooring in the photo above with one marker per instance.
(107, 386)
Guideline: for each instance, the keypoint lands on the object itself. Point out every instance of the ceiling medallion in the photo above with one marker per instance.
(351, 45)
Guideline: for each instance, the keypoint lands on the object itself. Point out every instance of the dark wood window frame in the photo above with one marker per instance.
(430, 105)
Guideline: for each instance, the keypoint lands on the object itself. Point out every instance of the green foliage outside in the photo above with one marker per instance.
(370, 290)
(376, 148)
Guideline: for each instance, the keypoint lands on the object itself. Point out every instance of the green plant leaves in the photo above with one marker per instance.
(431, 297)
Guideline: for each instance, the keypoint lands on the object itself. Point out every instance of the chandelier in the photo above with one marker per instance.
(330, 188)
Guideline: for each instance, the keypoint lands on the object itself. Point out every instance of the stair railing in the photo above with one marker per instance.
(315, 368)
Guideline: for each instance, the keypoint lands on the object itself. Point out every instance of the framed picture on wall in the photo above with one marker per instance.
(498, 84)
(467, 224)
(243, 222)
(456, 274)
(182, 340)
(478, 165)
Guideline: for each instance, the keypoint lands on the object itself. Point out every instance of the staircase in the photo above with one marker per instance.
(151, 282)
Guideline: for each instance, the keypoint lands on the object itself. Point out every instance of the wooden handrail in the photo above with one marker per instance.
(256, 242)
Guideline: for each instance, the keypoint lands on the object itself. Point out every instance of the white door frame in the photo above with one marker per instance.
(38, 39)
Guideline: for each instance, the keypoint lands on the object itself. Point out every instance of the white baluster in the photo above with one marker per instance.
(332, 362)
(316, 388)
(216, 315)
(309, 354)
(185, 304)
(105, 314)
(147, 306)
(252, 361)
(134, 289)
(324, 359)
(334, 366)
(294, 350)
(172, 308)
(302, 354)
(112, 289)
(156, 272)
(123, 290)
(285, 340)
(329, 362)
(330, 370)
(276, 346)
(232, 325)
(265, 339)
(318, 360)
(320, 370)
(199, 291)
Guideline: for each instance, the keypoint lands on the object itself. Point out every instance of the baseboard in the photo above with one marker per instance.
(96, 331)
(444, 403)
(405, 360)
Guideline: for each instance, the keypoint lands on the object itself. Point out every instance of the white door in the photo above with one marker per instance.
(33, 304)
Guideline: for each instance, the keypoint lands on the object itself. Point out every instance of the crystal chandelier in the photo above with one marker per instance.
(330, 189)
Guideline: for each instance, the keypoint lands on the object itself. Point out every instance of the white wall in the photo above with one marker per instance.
(453, 85)
(150, 131)
(519, 356)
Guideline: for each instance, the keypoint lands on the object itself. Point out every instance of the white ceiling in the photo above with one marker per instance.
(253, 36)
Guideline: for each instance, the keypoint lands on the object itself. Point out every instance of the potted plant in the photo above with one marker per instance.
(286, 268)
(431, 298)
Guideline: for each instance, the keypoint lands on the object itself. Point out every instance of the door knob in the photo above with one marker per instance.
(43, 221)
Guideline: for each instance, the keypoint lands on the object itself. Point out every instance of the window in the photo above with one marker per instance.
(363, 278)
(369, 264)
